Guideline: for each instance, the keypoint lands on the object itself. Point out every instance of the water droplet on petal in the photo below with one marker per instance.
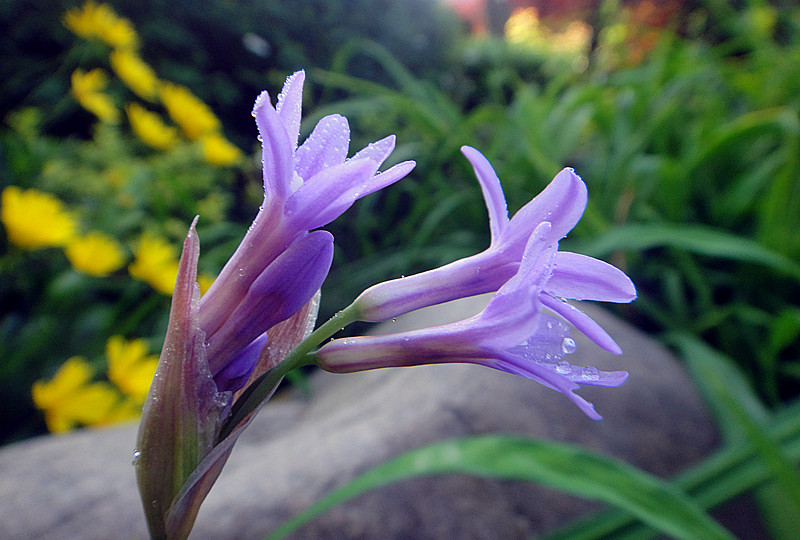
(590, 373)
(568, 345)
(563, 367)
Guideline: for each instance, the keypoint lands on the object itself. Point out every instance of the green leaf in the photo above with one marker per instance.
(565, 467)
(693, 238)
(742, 415)
(722, 476)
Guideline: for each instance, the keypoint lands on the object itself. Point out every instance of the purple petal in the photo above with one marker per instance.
(548, 377)
(276, 148)
(561, 203)
(282, 289)
(581, 321)
(492, 191)
(524, 287)
(290, 105)
(325, 196)
(585, 278)
(237, 372)
(325, 147)
(377, 151)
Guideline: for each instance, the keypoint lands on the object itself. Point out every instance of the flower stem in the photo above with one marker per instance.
(263, 387)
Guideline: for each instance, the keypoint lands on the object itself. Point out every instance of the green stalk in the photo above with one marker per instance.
(260, 389)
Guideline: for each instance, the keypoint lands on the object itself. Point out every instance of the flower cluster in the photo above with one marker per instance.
(262, 304)
(72, 398)
(195, 119)
(226, 351)
(514, 333)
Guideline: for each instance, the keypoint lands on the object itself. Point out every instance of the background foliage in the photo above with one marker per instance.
(688, 136)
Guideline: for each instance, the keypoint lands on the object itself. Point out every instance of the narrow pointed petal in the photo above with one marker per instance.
(585, 278)
(581, 321)
(561, 203)
(276, 149)
(377, 151)
(290, 105)
(492, 191)
(325, 147)
(548, 377)
(325, 196)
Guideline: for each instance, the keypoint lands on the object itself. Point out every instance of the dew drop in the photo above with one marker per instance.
(568, 345)
(394, 320)
(563, 367)
(590, 373)
(136, 456)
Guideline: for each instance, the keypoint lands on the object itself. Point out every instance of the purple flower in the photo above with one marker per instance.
(573, 276)
(279, 266)
(262, 305)
(511, 334)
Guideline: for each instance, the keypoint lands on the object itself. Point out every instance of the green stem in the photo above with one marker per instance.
(260, 389)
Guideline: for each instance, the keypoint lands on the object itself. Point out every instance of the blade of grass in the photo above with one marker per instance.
(694, 238)
(729, 472)
(565, 467)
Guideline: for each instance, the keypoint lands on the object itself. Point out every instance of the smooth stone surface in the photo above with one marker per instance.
(82, 485)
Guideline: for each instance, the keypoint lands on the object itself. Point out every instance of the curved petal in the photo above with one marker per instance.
(586, 278)
(581, 321)
(237, 372)
(326, 195)
(377, 151)
(561, 203)
(548, 377)
(284, 287)
(276, 149)
(290, 105)
(325, 147)
(527, 283)
(492, 191)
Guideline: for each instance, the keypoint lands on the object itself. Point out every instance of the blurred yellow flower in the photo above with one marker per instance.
(69, 399)
(130, 367)
(35, 219)
(218, 151)
(149, 127)
(187, 110)
(155, 263)
(95, 254)
(135, 73)
(88, 90)
(94, 20)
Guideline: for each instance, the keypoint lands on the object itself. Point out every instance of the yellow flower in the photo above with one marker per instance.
(155, 263)
(99, 21)
(135, 73)
(34, 219)
(187, 110)
(69, 399)
(88, 90)
(130, 367)
(149, 127)
(95, 254)
(217, 150)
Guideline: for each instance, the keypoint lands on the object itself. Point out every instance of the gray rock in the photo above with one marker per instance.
(82, 485)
